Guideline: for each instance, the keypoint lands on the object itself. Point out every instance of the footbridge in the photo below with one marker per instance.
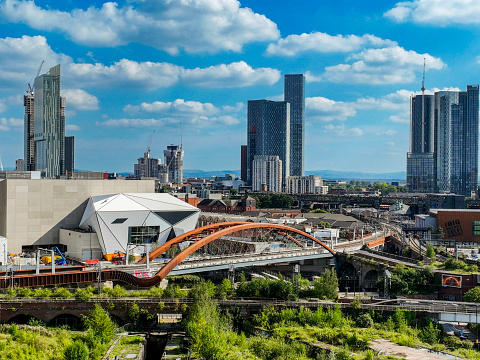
(211, 247)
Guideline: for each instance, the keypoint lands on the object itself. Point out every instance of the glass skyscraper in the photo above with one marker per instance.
(449, 142)
(49, 124)
(268, 133)
(420, 164)
(294, 93)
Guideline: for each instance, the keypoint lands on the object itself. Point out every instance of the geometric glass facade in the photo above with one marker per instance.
(173, 157)
(49, 124)
(268, 133)
(420, 173)
(29, 141)
(294, 93)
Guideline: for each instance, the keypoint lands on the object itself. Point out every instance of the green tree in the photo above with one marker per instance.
(430, 251)
(472, 295)
(76, 351)
(99, 324)
(233, 192)
(326, 286)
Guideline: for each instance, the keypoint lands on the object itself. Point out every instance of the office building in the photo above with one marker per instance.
(443, 153)
(173, 158)
(294, 94)
(267, 173)
(268, 133)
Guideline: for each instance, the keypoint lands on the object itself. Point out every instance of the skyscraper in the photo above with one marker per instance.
(69, 154)
(443, 153)
(49, 124)
(294, 93)
(464, 143)
(268, 133)
(173, 157)
(29, 138)
(420, 159)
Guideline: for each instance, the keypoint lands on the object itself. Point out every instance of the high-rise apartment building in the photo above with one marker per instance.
(267, 173)
(443, 153)
(268, 133)
(420, 159)
(294, 93)
(173, 158)
(69, 154)
(28, 132)
(49, 124)
(464, 143)
(150, 167)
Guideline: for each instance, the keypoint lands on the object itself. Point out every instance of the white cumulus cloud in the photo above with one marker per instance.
(324, 43)
(177, 107)
(80, 99)
(192, 25)
(436, 12)
(390, 65)
(72, 127)
(6, 124)
(342, 130)
(323, 109)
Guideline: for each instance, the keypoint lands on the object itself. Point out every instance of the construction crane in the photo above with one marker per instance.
(30, 87)
(150, 143)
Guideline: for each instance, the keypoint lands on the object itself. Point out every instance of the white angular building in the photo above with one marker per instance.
(267, 173)
(137, 218)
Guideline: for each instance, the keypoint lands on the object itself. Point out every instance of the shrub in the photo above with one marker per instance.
(99, 324)
(364, 320)
(24, 292)
(76, 351)
(61, 293)
(83, 295)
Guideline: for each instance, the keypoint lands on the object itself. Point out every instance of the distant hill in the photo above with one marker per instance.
(208, 174)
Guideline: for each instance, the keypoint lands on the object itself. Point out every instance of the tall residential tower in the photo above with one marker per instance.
(268, 133)
(294, 93)
(443, 153)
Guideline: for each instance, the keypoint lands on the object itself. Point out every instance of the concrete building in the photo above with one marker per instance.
(267, 173)
(151, 167)
(19, 165)
(294, 94)
(33, 211)
(173, 158)
(306, 185)
(268, 133)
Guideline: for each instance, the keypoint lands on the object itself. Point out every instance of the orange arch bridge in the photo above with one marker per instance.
(198, 237)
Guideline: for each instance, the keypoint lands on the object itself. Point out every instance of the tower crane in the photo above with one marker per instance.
(150, 142)
(30, 87)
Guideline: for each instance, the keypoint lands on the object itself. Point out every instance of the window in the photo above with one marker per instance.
(143, 234)
(119, 221)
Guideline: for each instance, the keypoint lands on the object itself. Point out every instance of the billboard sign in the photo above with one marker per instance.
(452, 280)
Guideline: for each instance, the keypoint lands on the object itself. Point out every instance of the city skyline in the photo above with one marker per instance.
(362, 63)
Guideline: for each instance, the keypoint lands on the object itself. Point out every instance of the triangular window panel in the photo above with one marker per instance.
(171, 235)
(173, 217)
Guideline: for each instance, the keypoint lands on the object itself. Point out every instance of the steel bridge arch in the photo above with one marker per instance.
(225, 230)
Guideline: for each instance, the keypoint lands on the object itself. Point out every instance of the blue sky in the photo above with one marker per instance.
(133, 67)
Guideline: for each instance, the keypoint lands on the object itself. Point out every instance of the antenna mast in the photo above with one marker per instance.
(181, 137)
